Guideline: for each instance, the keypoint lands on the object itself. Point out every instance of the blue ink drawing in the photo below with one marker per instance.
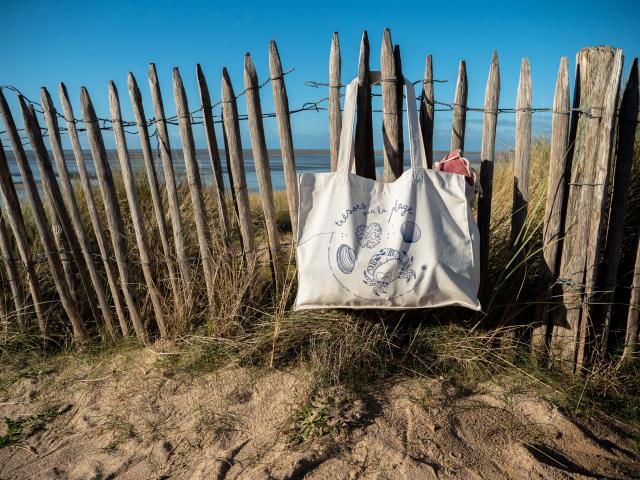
(369, 235)
(410, 232)
(346, 258)
(387, 266)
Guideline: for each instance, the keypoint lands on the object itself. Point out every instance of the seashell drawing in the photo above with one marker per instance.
(410, 232)
(385, 267)
(346, 258)
(369, 235)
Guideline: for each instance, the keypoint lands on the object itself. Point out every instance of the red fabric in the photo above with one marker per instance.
(454, 163)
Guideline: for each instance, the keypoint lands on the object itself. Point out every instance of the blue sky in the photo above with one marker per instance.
(90, 43)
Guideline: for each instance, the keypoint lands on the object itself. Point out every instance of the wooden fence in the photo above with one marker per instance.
(591, 153)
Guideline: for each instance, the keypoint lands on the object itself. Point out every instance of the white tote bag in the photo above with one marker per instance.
(408, 244)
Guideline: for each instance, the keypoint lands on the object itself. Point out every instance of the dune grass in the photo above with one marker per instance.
(251, 323)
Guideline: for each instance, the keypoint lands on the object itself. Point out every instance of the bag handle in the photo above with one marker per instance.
(346, 153)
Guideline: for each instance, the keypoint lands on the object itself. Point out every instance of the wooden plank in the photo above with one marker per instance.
(232, 130)
(522, 156)
(11, 206)
(335, 115)
(39, 217)
(281, 105)
(261, 162)
(627, 124)
(154, 188)
(364, 153)
(631, 335)
(460, 108)
(60, 218)
(87, 188)
(111, 207)
(170, 183)
(17, 294)
(598, 74)
(487, 158)
(76, 222)
(393, 145)
(555, 204)
(193, 177)
(137, 218)
(63, 250)
(214, 157)
(427, 110)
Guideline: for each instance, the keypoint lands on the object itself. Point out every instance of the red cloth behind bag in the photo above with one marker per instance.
(454, 162)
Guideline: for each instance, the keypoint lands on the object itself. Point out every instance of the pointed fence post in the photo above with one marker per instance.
(627, 124)
(595, 101)
(391, 115)
(555, 206)
(281, 104)
(236, 161)
(522, 157)
(487, 158)
(460, 108)
(71, 204)
(364, 153)
(137, 218)
(87, 189)
(427, 111)
(154, 188)
(40, 219)
(195, 184)
(335, 115)
(170, 183)
(111, 207)
(261, 161)
(11, 206)
(214, 157)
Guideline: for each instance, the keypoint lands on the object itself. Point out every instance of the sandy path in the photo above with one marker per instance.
(134, 416)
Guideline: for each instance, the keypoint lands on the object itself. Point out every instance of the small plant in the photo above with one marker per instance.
(23, 427)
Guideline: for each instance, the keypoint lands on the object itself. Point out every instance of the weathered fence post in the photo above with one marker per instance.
(487, 157)
(11, 205)
(427, 110)
(595, 100)
(154, 188)
(364, 153)
(459, 108)
(522, 159)
(555, 203)
(214, 157)
(232, 130)
(93, 209)
(71, 204)
(39, 216)
(170, 182)
(12, 273)
(631, 334)
(335, 115)
(112, 210)
(391, 115)
(627, 123)
(281, 104)
(261, 162)
(137, 218)
(195, 184)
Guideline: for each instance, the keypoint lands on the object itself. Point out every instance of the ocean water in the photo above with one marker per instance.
(312, 161)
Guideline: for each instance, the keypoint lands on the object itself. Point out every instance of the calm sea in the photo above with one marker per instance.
(306, 161)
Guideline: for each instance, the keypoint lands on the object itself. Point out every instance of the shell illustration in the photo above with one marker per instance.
(346, 258)
(387, 266)
(369, 235)
(410, 232)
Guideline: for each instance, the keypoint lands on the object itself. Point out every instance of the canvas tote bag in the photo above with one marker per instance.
(408, 244)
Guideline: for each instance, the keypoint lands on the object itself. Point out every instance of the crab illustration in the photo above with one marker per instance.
(386, 266)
